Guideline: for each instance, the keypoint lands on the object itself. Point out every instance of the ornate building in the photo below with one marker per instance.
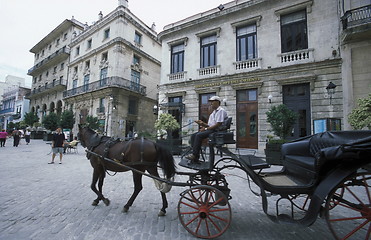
(50, 70)
(109, 70)
(114, 71)
(256, 54)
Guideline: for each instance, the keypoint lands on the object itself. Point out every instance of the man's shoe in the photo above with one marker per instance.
(193, 159)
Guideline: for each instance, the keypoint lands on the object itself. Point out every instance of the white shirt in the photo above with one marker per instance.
(217, 116)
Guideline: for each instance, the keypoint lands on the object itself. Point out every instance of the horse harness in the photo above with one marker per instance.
(127, 148)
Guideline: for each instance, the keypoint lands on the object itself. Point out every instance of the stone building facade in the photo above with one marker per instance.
(355, 40)
(256, 54)
(50, 70)
(114, 71)
(14, 105)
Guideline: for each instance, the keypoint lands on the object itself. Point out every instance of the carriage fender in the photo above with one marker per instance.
(323, 189)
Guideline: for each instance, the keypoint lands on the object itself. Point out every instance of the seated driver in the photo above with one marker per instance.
(216, 119)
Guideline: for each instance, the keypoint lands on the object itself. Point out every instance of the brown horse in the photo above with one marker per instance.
(140, 154)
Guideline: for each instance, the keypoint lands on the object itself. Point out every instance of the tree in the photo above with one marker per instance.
(360, 117)
(67, 119)
(31, 118)
(51, 121)
(92, 122)
(282, 120)
(166, 122)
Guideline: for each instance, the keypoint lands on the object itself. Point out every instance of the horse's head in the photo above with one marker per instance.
(88, 137)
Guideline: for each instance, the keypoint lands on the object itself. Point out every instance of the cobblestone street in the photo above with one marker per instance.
(42, 201)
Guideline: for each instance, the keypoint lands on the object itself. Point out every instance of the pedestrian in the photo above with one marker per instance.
(3, 136)
(57, 145)
(27, 135)
(71, 144)
(16, 137)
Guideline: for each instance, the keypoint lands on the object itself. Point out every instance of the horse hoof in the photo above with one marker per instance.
(95, 203)
(125, 210)
(106, 201)
(161, 213)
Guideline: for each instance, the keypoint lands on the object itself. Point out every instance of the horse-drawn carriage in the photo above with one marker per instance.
(331, 170)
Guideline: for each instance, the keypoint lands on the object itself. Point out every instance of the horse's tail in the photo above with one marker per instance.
(166, 161)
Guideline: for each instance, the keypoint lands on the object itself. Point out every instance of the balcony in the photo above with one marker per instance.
(209, 71)
(51, 60)
(106, 83)
(8, 110)
(357, 24)
(173, 106)
(299, 56)
(248, 65)
(57, 85)
(180, 76)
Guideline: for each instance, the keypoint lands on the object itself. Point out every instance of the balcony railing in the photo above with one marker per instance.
(209, 71)
(296, 56)
(63, 50)
(104, 83)
(177, 76)
(248, 64)
(54, 84)
(8, 110)
(356, 17)
(173, 105)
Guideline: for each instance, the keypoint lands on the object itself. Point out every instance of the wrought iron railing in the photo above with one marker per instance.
(104, 83)
(173, 105)
(60, 82)
(8, 110)
(63, 50)
(356, 16)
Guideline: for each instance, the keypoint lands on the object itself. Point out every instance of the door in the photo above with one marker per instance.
(247, 119)
(297, 98)
(205, 108)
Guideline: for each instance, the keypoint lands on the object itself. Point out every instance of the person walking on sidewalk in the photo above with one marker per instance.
(27, 136)
(3, 136)
(16, 137)
(57, 145)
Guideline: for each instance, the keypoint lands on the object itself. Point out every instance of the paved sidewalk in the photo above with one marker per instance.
(42, 201)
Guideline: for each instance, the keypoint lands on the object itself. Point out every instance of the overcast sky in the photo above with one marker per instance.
(24, 23)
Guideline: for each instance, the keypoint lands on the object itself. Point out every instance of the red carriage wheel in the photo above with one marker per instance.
(348, 208)
(204, 211)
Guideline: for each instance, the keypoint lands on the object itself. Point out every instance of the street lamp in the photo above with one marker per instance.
(331, 90)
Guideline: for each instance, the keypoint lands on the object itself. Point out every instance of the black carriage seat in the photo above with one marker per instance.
(301, 158)
(223, 135)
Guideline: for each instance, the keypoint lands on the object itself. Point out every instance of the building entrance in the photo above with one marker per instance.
(247, 119)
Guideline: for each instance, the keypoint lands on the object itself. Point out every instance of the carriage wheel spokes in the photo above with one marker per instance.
(204, 211)
(348, 208)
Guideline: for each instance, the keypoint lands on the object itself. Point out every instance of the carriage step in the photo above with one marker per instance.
(254, 162)
(195, 166)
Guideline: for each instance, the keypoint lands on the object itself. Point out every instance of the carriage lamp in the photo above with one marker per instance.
(155, 109)
(331, 90)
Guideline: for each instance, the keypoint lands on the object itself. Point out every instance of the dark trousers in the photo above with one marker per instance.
(2, 142)
(16, 141)
(196, 141)
(27, 137)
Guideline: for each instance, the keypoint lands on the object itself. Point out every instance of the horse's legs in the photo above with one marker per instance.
(100, 187)
(137, 178)
(154, 172)
(98, 174)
